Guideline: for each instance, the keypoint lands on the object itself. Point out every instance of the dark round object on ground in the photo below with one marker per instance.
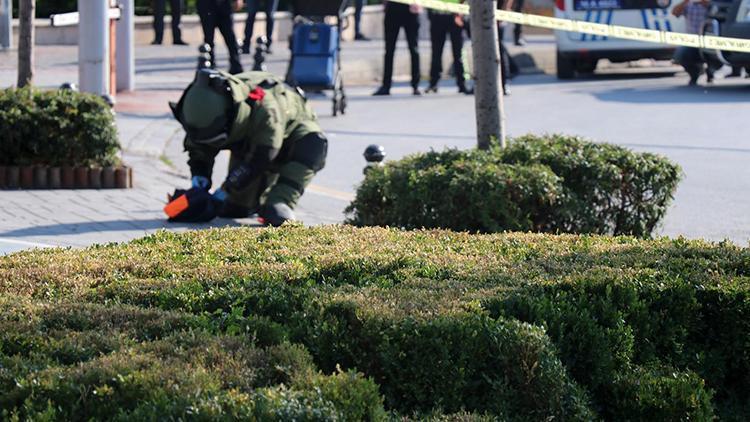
(374, 153)
(69, 86)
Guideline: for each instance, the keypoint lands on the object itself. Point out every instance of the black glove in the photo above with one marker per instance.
(239, 177)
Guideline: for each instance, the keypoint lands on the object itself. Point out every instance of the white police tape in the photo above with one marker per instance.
(617, 31)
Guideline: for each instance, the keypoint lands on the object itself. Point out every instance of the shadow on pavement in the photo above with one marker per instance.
(165, 69)
(397, 135)
(687, 148)
(677, 94)
(166, 60)
(636, 73)
(134, 115)
(121, 225)
(547, 79)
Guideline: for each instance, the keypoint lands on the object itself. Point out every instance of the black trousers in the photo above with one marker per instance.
(358, 5)
(505, 60)
(218, 14)
(517, 7)
(442, 26)
(160, 7)
(252, 9)
(694, 63)
(397, 16)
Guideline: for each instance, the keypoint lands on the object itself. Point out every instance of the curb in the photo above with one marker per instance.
(44, 177)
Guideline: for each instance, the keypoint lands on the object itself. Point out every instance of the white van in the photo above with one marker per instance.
(579, 53)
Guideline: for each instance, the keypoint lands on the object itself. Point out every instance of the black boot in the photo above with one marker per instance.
(383, 90)
(694, 78)
(462, 89)
(275, 214)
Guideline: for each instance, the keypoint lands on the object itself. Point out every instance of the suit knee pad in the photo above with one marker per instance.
(311, 151)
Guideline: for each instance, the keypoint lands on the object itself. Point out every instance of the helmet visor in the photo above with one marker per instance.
(217, 140)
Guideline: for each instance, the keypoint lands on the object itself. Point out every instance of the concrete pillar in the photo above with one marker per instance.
(93, 46)
(125, 47)
(6, 24)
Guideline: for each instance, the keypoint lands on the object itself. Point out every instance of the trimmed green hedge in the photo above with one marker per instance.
(70, 361)
(448, 326)
(56, 128)
(552, 183)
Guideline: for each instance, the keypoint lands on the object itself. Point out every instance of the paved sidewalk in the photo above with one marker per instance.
(641, 108)
(152, 144)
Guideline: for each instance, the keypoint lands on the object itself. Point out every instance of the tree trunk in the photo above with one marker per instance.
(487, 95)
(26, 42)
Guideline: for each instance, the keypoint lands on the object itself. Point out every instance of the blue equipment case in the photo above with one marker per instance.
(316, 48)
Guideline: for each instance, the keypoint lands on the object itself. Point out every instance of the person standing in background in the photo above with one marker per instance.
(517, 28)
(442, 25)
(506, 64)
(397, 16)
(219, 14)
(160, 7)
(358, 6)
(252, 9)
(690, 58)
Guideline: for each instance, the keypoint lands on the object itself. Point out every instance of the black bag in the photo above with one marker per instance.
(191, 206)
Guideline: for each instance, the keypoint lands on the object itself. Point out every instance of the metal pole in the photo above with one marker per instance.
(6, 24)
(125, 47)
(93, 46)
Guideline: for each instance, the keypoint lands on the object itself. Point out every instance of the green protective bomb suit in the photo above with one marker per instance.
(276, 143)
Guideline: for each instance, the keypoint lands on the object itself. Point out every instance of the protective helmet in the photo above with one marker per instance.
(206, 109)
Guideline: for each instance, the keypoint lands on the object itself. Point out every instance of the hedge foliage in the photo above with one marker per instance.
(72, 361)
(56, 128)
(552, 183)
(442, 326)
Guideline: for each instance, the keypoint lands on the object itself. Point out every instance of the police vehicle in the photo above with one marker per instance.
(579, 53)
(729, 19)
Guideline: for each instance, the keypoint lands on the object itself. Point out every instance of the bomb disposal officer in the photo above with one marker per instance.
(274, 137)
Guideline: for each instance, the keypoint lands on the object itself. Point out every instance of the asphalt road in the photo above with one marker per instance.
(704, 129)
